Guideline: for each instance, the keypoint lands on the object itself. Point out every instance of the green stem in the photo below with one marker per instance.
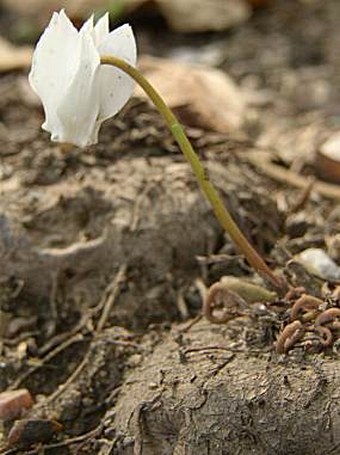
(208, 189)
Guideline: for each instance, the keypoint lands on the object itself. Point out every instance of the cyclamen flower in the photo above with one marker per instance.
(77, 92)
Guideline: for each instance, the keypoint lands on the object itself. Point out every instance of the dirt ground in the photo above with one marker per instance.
(106, 255)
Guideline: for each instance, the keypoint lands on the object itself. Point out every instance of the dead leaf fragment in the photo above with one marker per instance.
(13, 57)
(201, 97)
(203, 15)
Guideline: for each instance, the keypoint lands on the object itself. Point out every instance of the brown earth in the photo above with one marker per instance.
(105, 254)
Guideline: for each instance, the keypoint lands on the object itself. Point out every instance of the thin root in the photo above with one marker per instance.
(308, 304)
(234, 304)
(292, 333)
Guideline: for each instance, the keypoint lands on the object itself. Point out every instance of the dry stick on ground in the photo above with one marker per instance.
(262, 161)
(106, 300)
(106, 304)
(75, 339)
(114, 289)
(61, 389)
(109, 302)
(303, 198)
(71, 441)
(65, 340)
(61, 337)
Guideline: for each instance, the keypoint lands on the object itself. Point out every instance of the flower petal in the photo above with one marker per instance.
(78, 109)
(54, 65)
(88, 26)
(116, 87)
(101, 29)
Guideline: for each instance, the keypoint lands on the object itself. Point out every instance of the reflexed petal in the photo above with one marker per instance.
(115, 86)
(87, 27)
(121, 43)
(101, 29)
(54, 64)
(78, 110)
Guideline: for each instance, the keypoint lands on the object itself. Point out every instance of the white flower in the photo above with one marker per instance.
(77, 92)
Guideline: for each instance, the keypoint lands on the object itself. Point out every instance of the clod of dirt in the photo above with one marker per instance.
(145, 213)
(199, 393)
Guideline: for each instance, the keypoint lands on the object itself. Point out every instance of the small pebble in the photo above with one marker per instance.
(317, 261)
(14, 403)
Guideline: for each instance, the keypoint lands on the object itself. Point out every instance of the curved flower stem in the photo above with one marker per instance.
(206, 186)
